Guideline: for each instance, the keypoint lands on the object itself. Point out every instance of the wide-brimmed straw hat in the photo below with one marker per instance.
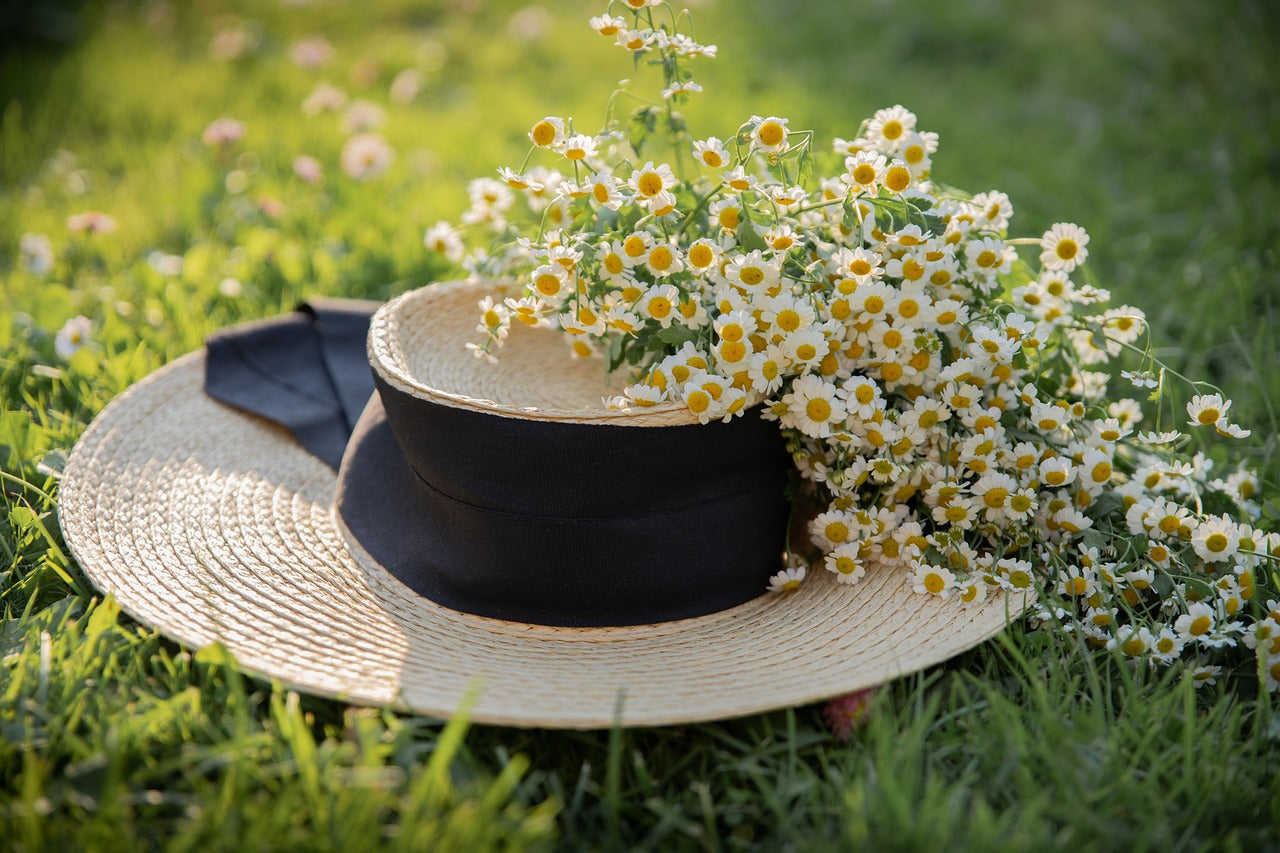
(490, 531)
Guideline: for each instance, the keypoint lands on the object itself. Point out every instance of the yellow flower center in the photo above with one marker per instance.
(1067, 249)
(996, 497)
(712, 159)
(1101, 472)
(913, 154)
(818, 410)
(934, 583)
(544, 133)
(1209, 416)
(1200, 626)
(788, 320)
(806, 352)
(733, 351)
(1020, 503)
(892, 129)
(729, 218)
(633, 246)
(751, 275)
(701, 256)
(771, 133)
(1217, 543)
(659, 307)
(836, 531)
(661, 258)
(1133, 646)
(898, 178)
(547, 284)
(698, 401)
(491, 319)
(873, 305)
(649, 184)
(613, 263)
(864, 174)
(986, 258)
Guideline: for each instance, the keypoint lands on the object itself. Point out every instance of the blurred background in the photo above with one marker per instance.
(1155, 125)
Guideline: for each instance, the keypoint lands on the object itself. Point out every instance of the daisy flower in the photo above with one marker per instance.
(91, 221)
(548, 132)
(1063, 247)
(579, 147)
(608, 25)
(845, 563)
(73, 336)
(889, 127)
(650, 180)
(934, 580)
(711, 152)
(814, 406)
(768, 134)
(788, 579)
(1216, 539)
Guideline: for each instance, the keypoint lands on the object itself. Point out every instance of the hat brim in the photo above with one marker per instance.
(213, 526)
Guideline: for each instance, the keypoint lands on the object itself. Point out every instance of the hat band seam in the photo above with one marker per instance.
(580, 519)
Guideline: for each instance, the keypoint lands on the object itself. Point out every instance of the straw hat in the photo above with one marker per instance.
(211, 525)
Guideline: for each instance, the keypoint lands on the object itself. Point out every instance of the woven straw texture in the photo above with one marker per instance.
(213, 526)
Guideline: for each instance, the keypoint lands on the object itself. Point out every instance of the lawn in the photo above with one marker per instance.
(1152, 124)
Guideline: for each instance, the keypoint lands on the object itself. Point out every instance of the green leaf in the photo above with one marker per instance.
(676, 336)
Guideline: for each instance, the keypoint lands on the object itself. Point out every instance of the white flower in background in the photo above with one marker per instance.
(37, 253)
(73, 335)
(165, 263)
(230, 287)
(366, 156)
(443, 238)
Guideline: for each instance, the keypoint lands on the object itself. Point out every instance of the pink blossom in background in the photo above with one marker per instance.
(308, 169)
(270, 206)
(362, 116)
(311, 53)
(846, 713)
(366, 156)
(92, 221)
(324, 98)
(405, 86)
(223, 132)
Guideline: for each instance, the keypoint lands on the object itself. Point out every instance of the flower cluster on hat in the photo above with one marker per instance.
(941, 381)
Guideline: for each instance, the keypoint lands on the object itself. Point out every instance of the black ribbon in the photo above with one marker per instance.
(306, 371)
(533, 521)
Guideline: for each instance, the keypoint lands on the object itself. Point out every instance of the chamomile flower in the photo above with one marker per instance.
(711, 152)
(844, 561)
(1063, 247)
(787, 580)
(890, 128)
(72, 337)
(579, 147)
(650, 180)
(814, 406)
(548, 132)
(608, 25)
(768, 134)
(1216, 539)
(934, 580)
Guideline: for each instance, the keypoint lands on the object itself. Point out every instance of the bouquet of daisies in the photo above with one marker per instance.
(940, 381)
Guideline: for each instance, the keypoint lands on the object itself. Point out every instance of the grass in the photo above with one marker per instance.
(1152, 124)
